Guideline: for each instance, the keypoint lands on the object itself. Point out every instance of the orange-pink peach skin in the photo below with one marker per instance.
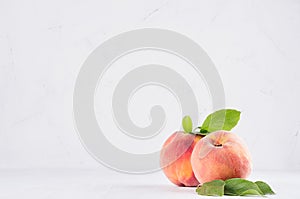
(175, 158)
(220, 155)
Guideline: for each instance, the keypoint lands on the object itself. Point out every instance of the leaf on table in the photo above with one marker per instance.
(239, 186)
(250, 192)
(265, 188)
(213, 188)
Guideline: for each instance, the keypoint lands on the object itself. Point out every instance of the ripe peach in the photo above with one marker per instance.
(220, 155)
(175, 158)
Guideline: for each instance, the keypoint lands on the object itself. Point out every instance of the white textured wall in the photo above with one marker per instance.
(254, 44)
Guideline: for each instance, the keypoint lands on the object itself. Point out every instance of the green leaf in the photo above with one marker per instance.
(264, 187)
(187, 124)
(224, 119)
(213, 188)
(234, 187)
(250, 192)
(239, 186)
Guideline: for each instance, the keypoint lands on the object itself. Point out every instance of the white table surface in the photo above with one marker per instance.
(94, 183)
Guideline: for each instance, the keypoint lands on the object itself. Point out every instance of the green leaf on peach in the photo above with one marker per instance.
(224, 119)
(187, 124)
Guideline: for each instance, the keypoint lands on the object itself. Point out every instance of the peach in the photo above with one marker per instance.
(220, 155)
(175, 158)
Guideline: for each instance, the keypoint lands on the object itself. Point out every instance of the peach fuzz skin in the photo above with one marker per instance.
(175, 158)
(220, 155)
